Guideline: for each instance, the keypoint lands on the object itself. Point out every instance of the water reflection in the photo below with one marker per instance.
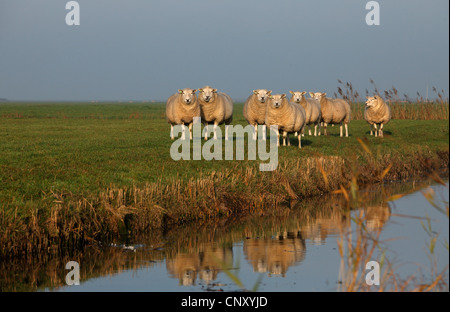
(204, 264)
(275, 256)
(272, 242)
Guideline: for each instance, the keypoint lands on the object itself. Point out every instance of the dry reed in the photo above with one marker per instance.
(401, 108)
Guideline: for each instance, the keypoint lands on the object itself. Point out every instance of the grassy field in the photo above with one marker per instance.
(87, 171)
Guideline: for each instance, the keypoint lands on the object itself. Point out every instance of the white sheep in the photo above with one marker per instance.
(181, 108)
(377, 113)
(312, 109)
(288, 117)
(255, 110)
(334, 111)
(215, 107)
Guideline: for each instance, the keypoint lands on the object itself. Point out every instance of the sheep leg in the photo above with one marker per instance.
(309, 130)
(171, 132)
(284, 138)
(299, 141)
(215, 133)
(255, 131)
(371, 129)
(315, 129)
(226, 132)
(346, 130)
(183, 128)
(325, 125)
(288, 139)
(278, 137)
(340, 129)
(381, 131)
(376, 129)
(190, 131)
(264, 132)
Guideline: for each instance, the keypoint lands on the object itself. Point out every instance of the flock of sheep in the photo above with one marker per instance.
(262, 108)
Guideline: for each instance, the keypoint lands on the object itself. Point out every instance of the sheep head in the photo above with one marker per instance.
(187, 95)
(316, 95)
(207, 93)
(276, 101)
(262, 94)
(297, 96)
(372, 101)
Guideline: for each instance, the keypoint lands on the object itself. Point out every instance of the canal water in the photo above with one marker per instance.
(295, 248)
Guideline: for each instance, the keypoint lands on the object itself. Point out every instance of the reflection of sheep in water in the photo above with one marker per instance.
(376, 216)
(321, 227)
(275, 256)
(318, 229)
(205, 263)
(184, 267)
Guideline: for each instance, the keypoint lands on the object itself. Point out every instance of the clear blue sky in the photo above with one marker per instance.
(147, 49)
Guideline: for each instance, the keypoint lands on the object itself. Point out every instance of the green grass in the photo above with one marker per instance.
(84, 148)
(80, 150)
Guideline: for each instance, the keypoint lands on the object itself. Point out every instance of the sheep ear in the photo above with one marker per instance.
(304, 92)
(180, 91)
(200, 90)
(311, 94)
(255, 91)
(270, 96)
(291, 92)
(324, 94)
(214, 90)
(283, 95)
(193, 91)
(269, 92)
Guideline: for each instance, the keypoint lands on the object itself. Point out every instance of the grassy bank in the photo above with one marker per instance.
(317, 219)
(77, 172)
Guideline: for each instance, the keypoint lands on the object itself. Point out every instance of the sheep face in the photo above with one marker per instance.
(207, 93)
(316, 95)
(277, 100)
(262, 94)
(297, 96)
(371, 101)
(187, 95)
